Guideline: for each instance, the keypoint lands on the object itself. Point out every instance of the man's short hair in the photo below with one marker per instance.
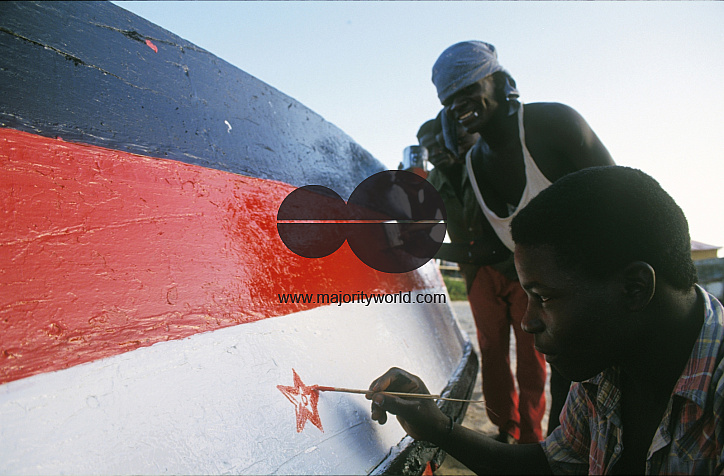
(600, 219)
(432, 126)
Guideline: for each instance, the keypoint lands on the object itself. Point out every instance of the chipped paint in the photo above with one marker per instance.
(150, 44)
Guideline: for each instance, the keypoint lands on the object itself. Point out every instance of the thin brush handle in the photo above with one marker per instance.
(394, 394)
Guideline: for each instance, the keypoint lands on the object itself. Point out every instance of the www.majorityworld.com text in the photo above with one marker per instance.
(362, 298)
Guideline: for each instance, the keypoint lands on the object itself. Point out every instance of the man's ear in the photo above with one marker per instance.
(639, 285)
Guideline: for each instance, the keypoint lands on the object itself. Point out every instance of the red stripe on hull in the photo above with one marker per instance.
(102, 252)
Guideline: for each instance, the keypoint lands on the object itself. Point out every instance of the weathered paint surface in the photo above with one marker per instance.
(209, 404)
(105, 251)
(140, 327)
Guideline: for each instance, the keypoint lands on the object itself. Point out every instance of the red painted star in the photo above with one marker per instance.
(303, 397)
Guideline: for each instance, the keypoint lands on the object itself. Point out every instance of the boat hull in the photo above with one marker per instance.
(149, 311)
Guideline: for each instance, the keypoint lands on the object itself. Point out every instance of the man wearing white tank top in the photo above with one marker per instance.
(521, 151)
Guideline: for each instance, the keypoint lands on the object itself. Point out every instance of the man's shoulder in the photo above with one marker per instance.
(707, 360)
(440, 181)
(563, 130)
(714, 337)
(546, 106)
(551, 113)
(436, 178)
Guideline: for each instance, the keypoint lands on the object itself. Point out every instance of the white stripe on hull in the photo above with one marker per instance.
(208, 404)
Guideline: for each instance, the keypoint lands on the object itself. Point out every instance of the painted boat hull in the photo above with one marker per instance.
(144, 328)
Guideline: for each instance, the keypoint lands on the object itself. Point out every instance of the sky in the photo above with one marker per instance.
(647, 76)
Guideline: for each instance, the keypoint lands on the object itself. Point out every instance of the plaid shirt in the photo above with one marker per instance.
(589, 439)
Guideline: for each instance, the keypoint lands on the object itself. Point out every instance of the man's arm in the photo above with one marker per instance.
(423, 420)
(484, 455)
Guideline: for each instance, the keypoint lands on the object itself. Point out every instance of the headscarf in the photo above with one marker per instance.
(461, 65)
(466, 62)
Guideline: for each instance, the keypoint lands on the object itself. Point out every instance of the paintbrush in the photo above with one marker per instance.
(321, 388)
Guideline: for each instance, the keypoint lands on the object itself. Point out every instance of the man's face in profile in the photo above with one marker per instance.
(576, 320)
(438, 155)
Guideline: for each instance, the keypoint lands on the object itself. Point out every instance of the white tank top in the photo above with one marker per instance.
(535, 182)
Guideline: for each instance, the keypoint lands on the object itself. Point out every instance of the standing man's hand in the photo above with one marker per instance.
(420, 418)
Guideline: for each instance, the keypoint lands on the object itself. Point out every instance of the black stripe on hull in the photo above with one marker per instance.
(83, 71)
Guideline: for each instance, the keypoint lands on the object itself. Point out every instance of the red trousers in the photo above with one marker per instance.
(497, 304)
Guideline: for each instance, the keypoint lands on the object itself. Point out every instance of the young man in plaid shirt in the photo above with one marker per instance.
(604, 256)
